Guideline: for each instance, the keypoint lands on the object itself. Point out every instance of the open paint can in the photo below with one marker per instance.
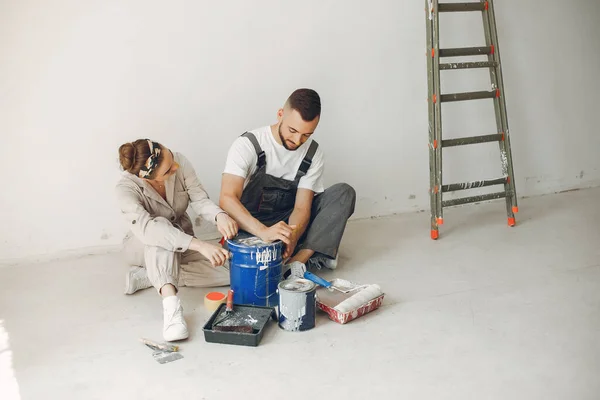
(297, 304)
(255, 271)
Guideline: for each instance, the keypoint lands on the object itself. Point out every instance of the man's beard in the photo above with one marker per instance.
(283, 141)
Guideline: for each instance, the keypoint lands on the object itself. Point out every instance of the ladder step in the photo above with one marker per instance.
(473, 199)
(458, 7)
(466, 65)
(472, 185)
(468, 96)
(472, 140)
(466, 51)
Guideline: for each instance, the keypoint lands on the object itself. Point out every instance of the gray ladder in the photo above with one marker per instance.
(436, 99)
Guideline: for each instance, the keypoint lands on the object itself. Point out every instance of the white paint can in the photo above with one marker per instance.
(297, 304)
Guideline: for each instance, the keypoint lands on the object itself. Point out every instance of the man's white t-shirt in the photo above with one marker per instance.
(281, 162)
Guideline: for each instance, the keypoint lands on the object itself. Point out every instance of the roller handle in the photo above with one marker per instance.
(318, 280)
(229, 305)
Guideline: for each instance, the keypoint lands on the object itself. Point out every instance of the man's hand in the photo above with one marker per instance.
(227, 226)
(279, 231)
(289, 248)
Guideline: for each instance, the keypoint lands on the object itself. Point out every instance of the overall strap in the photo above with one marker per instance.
(262, 160)
(307, 161)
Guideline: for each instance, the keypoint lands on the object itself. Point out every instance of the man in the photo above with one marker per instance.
(273, 186)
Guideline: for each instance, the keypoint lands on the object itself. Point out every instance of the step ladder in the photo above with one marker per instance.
(435, 99)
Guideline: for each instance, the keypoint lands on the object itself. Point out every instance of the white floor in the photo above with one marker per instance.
(486, 312)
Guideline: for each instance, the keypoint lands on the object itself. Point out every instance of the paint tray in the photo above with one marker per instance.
(327, 301)
(243, 315)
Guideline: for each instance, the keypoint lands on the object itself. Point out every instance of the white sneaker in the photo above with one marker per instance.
(136, 279)
(319, 262)
(174, 327)
(297, 269)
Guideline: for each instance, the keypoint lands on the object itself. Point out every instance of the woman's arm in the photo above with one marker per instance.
(199, 200)
(159, 231)
(151, 231)
(202, 204)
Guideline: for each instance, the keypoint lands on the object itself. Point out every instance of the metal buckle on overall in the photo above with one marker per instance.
(262, 159)
(305, 165)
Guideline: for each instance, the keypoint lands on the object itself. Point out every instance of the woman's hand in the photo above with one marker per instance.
(215, 254)
(227, 226)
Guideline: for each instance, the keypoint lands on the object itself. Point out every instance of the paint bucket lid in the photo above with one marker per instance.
(297, 285)
(250, 242)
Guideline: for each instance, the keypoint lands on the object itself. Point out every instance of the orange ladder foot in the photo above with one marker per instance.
(511, 222)
(434, 234)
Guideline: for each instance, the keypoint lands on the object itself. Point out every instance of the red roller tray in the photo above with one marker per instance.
(327, 301)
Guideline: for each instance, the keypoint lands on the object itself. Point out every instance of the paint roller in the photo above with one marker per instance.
(358, 299)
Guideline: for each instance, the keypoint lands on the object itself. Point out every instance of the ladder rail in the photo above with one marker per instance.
(437, 110)
(430, 104)
(499, 109)
(502, 103)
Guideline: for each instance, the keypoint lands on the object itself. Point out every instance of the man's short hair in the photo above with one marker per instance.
(307, 102)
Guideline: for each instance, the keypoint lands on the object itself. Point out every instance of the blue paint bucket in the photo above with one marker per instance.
(255, 271)
(297, 304)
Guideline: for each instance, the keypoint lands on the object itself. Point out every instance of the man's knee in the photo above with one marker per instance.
(344, 192)
(342, 196)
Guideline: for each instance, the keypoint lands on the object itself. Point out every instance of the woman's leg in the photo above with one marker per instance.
(196, 271)
(136, 277)
(163, 272)
(155, 266)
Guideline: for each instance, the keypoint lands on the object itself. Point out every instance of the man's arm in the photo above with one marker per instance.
(232, 187)
(300, 217)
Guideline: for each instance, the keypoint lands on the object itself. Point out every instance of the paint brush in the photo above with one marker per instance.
(229, 314)
(228, 309)
(159, 346)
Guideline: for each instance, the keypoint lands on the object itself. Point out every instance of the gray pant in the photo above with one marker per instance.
(328, 217)
(179, 269)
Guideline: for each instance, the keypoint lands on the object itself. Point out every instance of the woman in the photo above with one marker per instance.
(154, 193)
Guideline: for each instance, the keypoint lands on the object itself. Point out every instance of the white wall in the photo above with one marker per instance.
(80, 77)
